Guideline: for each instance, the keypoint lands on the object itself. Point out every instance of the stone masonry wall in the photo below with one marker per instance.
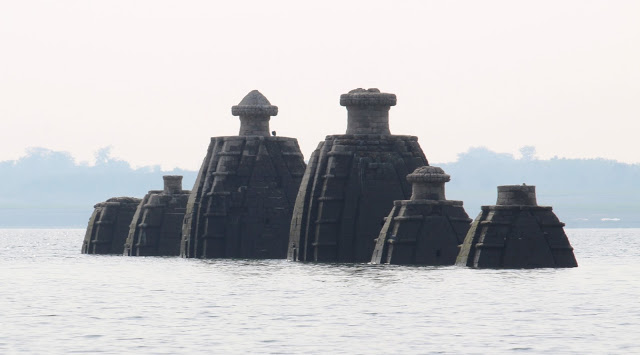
(241, 203)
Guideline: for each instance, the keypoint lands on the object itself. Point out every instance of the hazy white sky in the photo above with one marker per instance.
(155, 79)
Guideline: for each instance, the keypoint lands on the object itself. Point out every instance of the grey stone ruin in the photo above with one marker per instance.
(109, 226)
(242, 200)
(351, 182)
(427, 229)
(156, 228)
(516, 233)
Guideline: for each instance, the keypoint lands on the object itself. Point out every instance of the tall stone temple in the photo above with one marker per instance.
(427, 229)
(156, 228)
(351, 182)
(516, 233)
(243, 197)
(109, 226)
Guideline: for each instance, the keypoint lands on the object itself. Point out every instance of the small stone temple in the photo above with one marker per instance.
(351, 182)
(242, 200)
(427, 229)
(109, 226)
(516, 233)
(156, 228)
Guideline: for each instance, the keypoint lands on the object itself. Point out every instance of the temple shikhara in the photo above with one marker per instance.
(156, 227)
(426, 229)
(351, 182)
(109, 226)
(366, 196)
(516, 233)
(243, 198)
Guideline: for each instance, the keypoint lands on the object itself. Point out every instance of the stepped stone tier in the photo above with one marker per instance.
(109, 226)
(516, 233)
(425, 230)
(351, 182)
(156, 228)
(242, 200)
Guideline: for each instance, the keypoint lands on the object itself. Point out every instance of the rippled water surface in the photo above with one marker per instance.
(55, 300)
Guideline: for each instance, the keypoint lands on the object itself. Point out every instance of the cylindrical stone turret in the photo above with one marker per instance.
(522, 195)
(428, 183)
(255, 111)
(368, 111)
(172, 184)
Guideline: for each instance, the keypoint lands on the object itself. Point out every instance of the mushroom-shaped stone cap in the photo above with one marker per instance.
(254, 104)
(428, 174)
(367, 97)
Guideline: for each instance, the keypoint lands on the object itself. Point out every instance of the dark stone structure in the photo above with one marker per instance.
(516, 233)
(156, 228)
(241, 203)
(351, 182)
(109, 226)
(427, 229)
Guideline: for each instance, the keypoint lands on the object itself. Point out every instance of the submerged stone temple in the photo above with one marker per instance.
(109, 226)
(242, 200)
(427, 229)
(516, 233)
(156, 228)
(351, 182)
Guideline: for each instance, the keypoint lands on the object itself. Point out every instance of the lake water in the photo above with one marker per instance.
(55, 300)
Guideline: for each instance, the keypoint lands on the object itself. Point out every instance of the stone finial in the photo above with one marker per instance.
(523, 195)
(172, 184)
(255, 111)
(428, 183)
(367, 111)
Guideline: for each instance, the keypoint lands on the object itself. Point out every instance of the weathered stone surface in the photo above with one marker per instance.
(516, 233)
(425, 230)
(109, 226)
(351, 182)
(156, 227)
(242, 200)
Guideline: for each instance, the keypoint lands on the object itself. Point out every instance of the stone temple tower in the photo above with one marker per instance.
(156, 228)
(516, 233)
(242, 200)
(427, 229)
(109, 226)
(351, 182)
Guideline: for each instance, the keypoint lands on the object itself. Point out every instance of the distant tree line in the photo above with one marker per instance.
(48, 188)
(583, 192)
